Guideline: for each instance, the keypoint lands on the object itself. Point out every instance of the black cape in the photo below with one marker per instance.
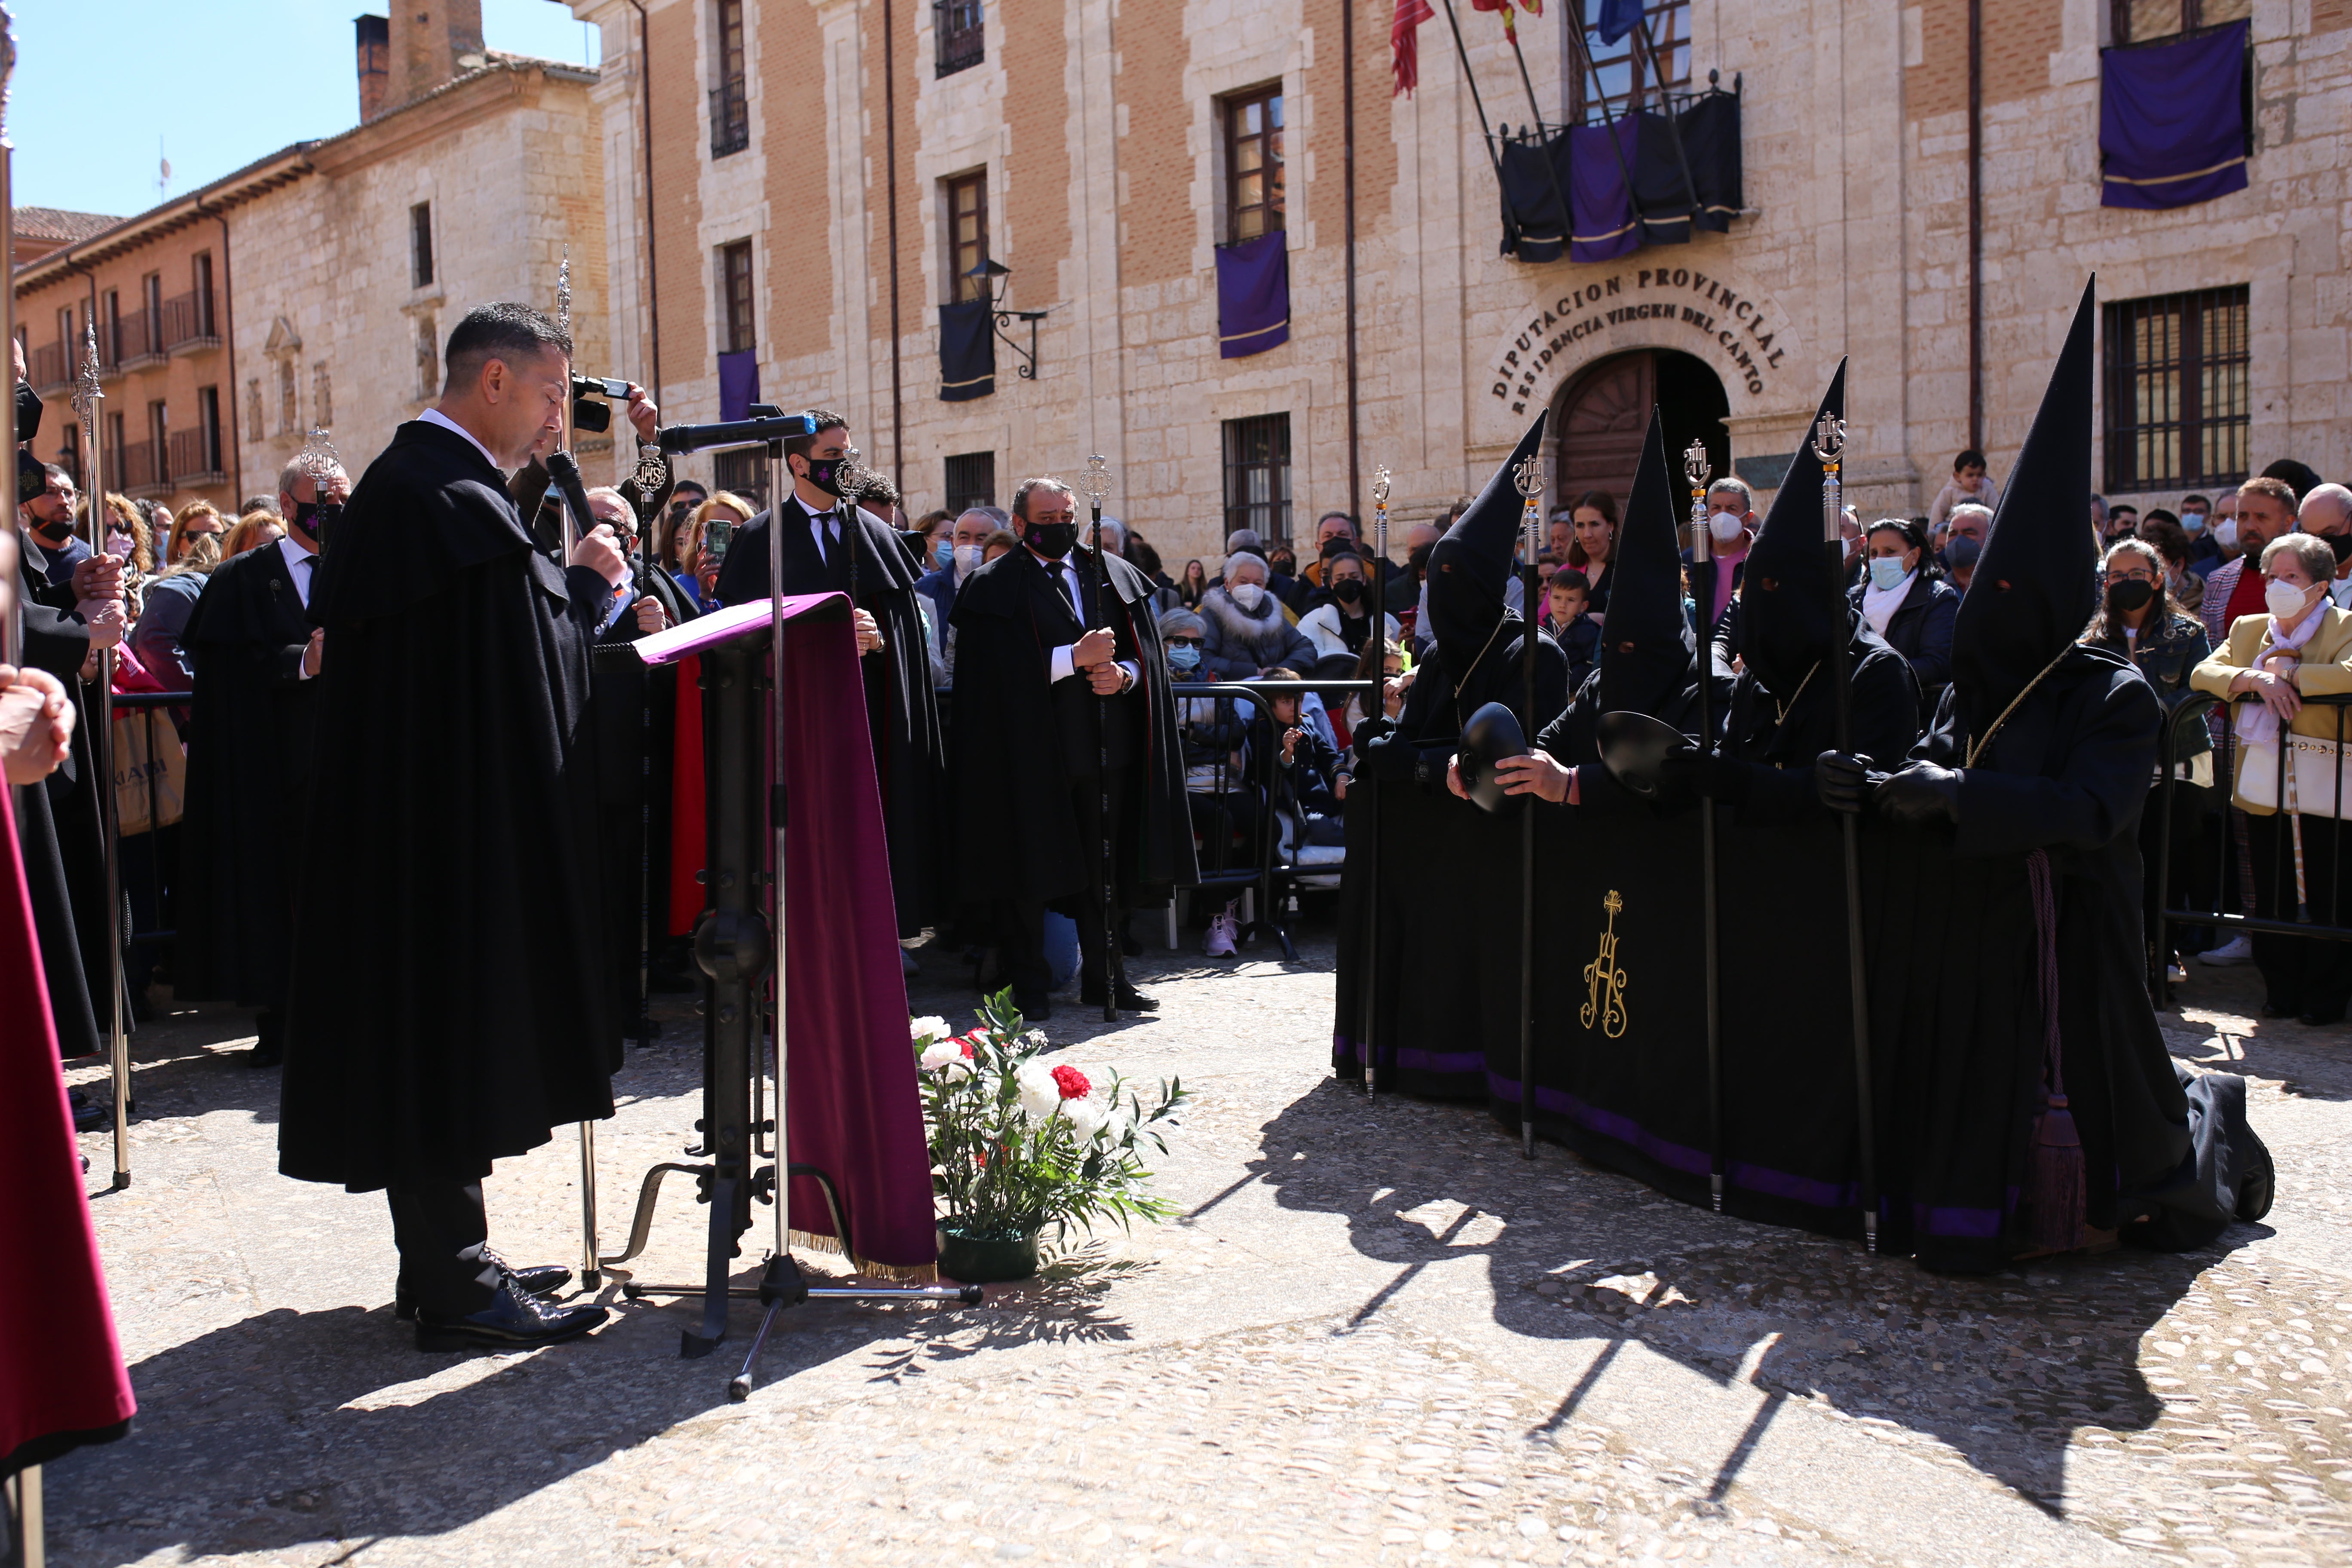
(248, 783)
(636, 728)
(1010, 750)
(448, 1000)
(2067, 773)
(1772, 752)
(910, 760)
(59, 833)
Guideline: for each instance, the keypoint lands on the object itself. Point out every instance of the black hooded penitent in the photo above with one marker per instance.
(1791, 612)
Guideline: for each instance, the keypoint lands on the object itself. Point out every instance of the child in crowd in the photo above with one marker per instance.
(1969, 484)
(1565, 601)
(1303, 765)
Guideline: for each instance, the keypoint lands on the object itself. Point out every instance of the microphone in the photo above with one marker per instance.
(679, 439)
(564, 470)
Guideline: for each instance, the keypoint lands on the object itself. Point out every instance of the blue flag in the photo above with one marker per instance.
(1618, 17)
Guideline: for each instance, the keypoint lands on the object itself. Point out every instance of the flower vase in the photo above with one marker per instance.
(987, 1258)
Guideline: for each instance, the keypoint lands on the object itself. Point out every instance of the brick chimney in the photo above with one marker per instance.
(375, 63)
(429, 37)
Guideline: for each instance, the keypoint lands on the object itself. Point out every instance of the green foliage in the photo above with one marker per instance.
(1019, 1143)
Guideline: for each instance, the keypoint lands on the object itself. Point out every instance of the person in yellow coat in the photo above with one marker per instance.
(2302, 859)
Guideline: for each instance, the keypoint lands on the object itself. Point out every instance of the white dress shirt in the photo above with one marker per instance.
(300, 566)
(824, 527)
(435, 416)
(1065, 578)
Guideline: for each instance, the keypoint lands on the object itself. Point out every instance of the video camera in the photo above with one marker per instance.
(588, 413)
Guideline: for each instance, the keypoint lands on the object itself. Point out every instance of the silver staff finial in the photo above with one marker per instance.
(564, 294)
(1829, 439)
(1527, 474)
(318, 457)
(1381, 485)
(1095, 483)
(1695, 464)
(86, 393)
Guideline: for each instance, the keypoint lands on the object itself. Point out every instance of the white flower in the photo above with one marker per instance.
(933, 1028)
(1116, 1128)
(936, 1057)
(1040, 1095)
(1034, 1039)
(1087, 1116)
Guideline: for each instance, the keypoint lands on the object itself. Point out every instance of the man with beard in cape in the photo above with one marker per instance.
(822, 531)
(1783, 710)
(447, 1005)
(2033, 1107)
(1041, 702)
(1649, 660)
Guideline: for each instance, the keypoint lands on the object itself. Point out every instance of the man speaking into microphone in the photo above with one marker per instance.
(447, 1005)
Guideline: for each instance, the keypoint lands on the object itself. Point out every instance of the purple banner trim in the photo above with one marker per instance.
(739, 383)
(1346, 1052)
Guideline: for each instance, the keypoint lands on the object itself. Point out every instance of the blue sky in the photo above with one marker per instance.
(97, 82)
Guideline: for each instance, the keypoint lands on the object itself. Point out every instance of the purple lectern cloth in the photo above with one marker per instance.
(854, 1107)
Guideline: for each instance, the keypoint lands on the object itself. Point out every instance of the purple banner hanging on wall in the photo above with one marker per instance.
(739, 383)
(1253, 296)
(1600, 223)
(2172, 120)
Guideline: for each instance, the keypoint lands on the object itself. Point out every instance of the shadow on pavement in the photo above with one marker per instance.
(2003, 1369)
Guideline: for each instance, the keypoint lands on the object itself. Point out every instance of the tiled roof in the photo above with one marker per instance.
(57, 223)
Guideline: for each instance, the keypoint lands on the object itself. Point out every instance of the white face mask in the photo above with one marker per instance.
(968, 558)
(1726, 525)
(1248, 595)
(2285, 599)
(2225, 532)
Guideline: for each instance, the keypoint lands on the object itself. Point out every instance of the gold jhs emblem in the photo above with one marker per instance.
(1604, 983)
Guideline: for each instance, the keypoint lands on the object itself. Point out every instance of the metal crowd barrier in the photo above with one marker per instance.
(146, 704)
(2195, 710)
(1266, 917)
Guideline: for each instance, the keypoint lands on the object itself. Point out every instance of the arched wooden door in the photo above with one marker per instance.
(1604, 414)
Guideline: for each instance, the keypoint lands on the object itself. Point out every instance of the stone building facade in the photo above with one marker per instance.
(315, 287)
(1099, 139)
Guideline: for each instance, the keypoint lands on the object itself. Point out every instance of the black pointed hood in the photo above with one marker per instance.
(2037, 581)
(1791, 612)
(1469, 567)
(1646, 644)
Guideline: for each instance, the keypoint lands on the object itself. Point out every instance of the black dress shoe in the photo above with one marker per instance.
(1130, 1000)
(263, 1054)
(538, 1279)
(2322, 1019)
(514, 1321)
(2275, 1008)
(1034, 1009)
(89, 1115)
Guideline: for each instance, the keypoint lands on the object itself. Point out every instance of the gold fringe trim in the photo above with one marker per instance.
(911, 1274)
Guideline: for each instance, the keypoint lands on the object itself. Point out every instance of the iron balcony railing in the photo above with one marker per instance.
(188, 323)
(963, 39)
(731, 119)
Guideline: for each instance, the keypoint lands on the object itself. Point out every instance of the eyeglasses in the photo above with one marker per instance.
(1183, 642)
(2131, 574)
(205, 534)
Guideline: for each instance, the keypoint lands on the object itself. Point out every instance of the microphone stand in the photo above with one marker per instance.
(1528, 476)
(1829, 446)
(1096, 483)
(86, 399)
(564, 470)
(1704, 568)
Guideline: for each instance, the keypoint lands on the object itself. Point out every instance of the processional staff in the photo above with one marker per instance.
(1095, 484)
(86, 398)
(1528, 476)
(1829, 448)
(1704, 567)
(1376, 707)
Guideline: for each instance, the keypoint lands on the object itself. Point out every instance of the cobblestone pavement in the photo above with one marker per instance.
(1377, 1335)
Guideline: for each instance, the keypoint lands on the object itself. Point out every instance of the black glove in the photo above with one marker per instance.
(1920, 795)
(1844, 780)
(1684, 774)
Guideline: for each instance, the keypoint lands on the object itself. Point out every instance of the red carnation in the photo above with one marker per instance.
(1072, 1083)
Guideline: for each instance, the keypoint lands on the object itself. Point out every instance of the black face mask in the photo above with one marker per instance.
(1336, 543)
(28, 412)
(2128, 595)
(314, 518)
(2341, 543)
(1051, 540)
(1347, 590)
(824, 473)
(1418, 558)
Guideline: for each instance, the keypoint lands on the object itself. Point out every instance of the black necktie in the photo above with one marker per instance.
(829, 532)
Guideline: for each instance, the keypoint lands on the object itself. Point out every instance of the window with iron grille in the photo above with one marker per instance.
(117, 463)
(2176, 399)
(1636, 71)
(208, 428)
(1257, 475)
(151, 295)
(420, 244)
(110, 331)
(1252, 164)
(204, 294)
(730, 109)
(970, 480)
(2137, 21)
(745, 472)
(159, 428)
(961, 42)
(967, 202)
(735, 289)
